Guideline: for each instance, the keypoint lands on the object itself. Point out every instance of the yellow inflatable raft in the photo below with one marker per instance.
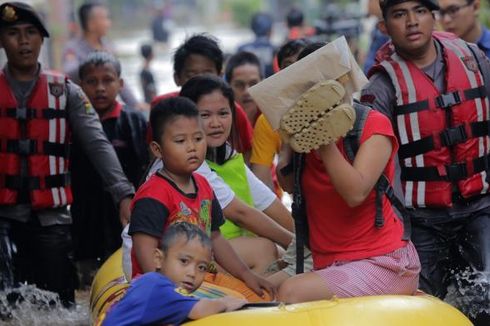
(109, 286)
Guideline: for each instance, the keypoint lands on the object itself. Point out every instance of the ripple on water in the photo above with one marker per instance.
(470, 292)
(28, 305)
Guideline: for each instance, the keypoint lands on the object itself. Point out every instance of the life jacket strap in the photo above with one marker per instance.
(16, 182)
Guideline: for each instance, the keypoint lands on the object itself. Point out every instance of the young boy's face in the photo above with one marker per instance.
(185, 263)
(22, 43)
(101, 84)
(182, 146)
(195, 65)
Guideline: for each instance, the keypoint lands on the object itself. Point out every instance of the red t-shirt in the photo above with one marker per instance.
(159, 203)
(337, 231)
(243, 126)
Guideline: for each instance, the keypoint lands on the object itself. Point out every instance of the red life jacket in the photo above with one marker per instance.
(444, 137)
(36, 137)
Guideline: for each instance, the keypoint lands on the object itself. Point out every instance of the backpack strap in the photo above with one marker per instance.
(298, 210)
(382, 187)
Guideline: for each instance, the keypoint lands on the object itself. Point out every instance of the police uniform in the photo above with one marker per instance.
(34, 217)
(77, 50)
(450, 233)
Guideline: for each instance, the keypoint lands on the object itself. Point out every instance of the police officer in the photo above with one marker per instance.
(461, 18)
(39, 111)
(95, 23)
(435, 88)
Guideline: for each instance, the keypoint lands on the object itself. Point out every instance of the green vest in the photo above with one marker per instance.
(234, 174)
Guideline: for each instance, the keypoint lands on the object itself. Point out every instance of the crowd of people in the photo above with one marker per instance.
(195, 192)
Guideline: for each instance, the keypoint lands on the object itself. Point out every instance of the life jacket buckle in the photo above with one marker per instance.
(25, 146)
(456, 172)
(21, 113)
(453, 136)
(447, 100)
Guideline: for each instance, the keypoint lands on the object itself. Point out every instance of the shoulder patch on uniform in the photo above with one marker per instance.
(368, 98)
(86, 103)
(56, 89)
(470, 63)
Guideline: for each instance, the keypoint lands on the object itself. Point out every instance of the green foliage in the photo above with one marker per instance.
(485, 13)
(243, 10)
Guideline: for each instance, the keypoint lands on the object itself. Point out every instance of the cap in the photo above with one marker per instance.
(12, 13)
(385, 4)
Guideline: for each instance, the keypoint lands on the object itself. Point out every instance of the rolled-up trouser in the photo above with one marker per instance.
(449, 249)
(43, 256)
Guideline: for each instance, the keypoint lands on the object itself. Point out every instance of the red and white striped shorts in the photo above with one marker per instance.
(394, 273)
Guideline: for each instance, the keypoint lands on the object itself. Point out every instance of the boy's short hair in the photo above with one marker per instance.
(187, 230)
(201, 44)
(146, 51)
(99, 58)
(310, 48)
(84, 12)
(240, 59)
(290, 48)
(166, 110)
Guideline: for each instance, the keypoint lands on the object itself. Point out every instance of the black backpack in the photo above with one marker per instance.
(382, 187)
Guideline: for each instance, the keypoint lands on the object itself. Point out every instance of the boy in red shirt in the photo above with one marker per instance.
(200, 54)
(175, 193)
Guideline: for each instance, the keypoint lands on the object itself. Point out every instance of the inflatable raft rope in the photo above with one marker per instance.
(110, 285)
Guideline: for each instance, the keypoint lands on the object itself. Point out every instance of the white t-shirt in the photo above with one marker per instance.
(261, 194)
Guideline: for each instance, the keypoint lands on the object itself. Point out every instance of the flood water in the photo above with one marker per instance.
(470, 292)
(31, 306)
(28, 305)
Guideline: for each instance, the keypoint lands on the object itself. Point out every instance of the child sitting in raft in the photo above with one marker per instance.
(216, 105)
(175, 193)
(351, 256)
(162, 297)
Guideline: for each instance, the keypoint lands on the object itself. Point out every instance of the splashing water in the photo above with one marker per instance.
(28, 305)
(470, 292)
